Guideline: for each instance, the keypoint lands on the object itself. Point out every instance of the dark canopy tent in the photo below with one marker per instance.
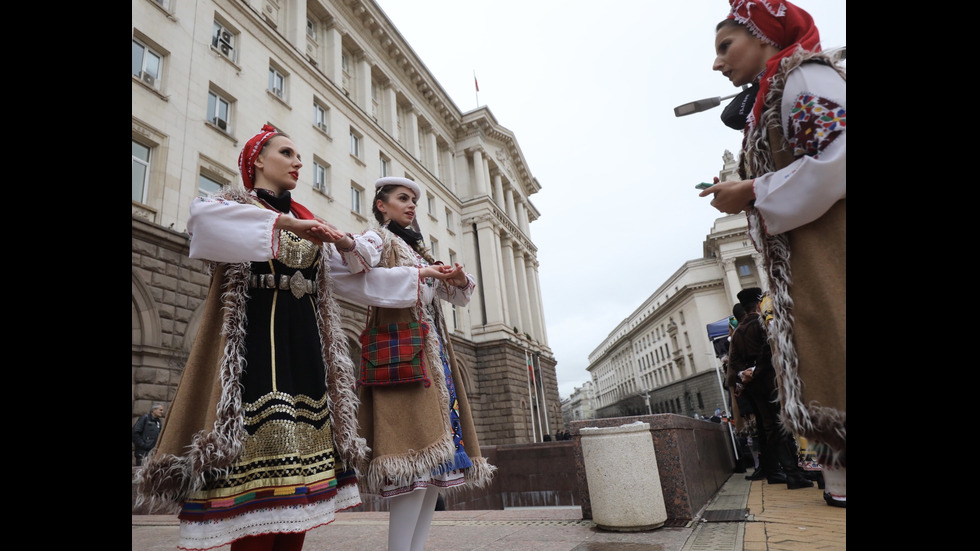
(718, 334)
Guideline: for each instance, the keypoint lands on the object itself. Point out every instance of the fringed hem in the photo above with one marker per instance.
(404, 469)
(481, 473)
(200, 536)
(827, 430)
(339, 376)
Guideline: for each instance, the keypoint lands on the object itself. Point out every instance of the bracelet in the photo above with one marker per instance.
(353, 244)
(465, 285)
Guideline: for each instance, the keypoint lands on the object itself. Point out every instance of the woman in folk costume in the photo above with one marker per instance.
(421, 433)
(261, 441)
(793, 189)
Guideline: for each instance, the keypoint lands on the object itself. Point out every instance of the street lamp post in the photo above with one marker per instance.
(838, 54)
(700, 105)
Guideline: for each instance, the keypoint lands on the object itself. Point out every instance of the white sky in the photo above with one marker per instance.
(589, 89)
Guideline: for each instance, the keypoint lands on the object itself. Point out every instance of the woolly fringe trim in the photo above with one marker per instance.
(812, 421)
(404, 469)
(165, 482)
(342, 400)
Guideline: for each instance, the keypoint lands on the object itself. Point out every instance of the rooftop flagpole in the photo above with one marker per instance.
(477, 86)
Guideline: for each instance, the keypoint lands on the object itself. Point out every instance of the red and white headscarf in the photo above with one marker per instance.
(246, 159)
(246, 165)
(780, 23)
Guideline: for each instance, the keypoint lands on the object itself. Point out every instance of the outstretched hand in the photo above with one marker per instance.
(317, 231)
(450, 274)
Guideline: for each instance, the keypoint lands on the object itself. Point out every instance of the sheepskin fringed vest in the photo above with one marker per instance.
(415, 437)
(203, 431)
(822, 420)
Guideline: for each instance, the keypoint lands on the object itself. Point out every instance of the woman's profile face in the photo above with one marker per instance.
(399, 207)
(740, 57)
(277, 167)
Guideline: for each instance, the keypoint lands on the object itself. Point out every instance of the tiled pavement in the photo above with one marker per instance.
(742, 516)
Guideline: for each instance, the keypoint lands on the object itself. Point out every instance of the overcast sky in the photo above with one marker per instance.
(589, 89)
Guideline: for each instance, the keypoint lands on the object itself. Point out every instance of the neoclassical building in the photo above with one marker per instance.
(337, 76)
(660, 359)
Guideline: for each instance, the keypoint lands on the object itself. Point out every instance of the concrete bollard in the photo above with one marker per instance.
(624, 482)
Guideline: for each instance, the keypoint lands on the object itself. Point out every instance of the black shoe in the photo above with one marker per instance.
(797, 483)
(778, 478)
(834, 502)
(758, 475)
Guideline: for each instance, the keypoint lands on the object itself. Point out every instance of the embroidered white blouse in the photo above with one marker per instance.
(366, 257)
(227, 231)
(813, 114)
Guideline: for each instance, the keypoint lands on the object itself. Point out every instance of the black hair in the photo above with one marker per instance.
(383, 193)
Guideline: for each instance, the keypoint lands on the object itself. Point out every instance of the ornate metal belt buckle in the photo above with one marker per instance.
(298, 285)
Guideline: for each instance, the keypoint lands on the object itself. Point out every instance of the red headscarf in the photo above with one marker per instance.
(246, 165)
(781, 24)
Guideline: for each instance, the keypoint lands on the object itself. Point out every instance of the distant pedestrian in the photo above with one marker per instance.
(145, 432)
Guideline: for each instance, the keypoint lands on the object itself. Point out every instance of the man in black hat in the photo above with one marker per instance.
(750, 365)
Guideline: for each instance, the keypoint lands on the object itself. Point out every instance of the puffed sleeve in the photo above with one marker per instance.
(228, 231)
(398, 287)
(365, 254)
(456, 295)
(814, 115)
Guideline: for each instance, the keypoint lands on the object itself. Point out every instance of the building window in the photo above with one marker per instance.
(311, 29)
(207, 185)
(277, 82)
(434, 247)
(744, 270)
(219, 109)
(430, 204)
(320, 118)
(141, 171)
(385, 166)
(355, 198)
(147, 64)
(223, 40)
(320, 175)
(355, 144)
(449, 219)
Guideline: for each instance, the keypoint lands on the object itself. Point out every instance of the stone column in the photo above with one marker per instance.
(479, 172)
(490, 270)
(333, 49)
(509, 252)
(389, 118)
(523, 292)
(537, 311)
(498, 188)
(470, 264)
(509, 198)
(732, 286)
(432, 149)
(522, 218)
(362, 77)
(296, 26)
(410, 139)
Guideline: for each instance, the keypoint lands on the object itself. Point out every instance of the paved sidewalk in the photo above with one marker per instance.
(742, 516)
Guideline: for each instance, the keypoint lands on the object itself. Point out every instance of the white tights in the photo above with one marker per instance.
(409, 519)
